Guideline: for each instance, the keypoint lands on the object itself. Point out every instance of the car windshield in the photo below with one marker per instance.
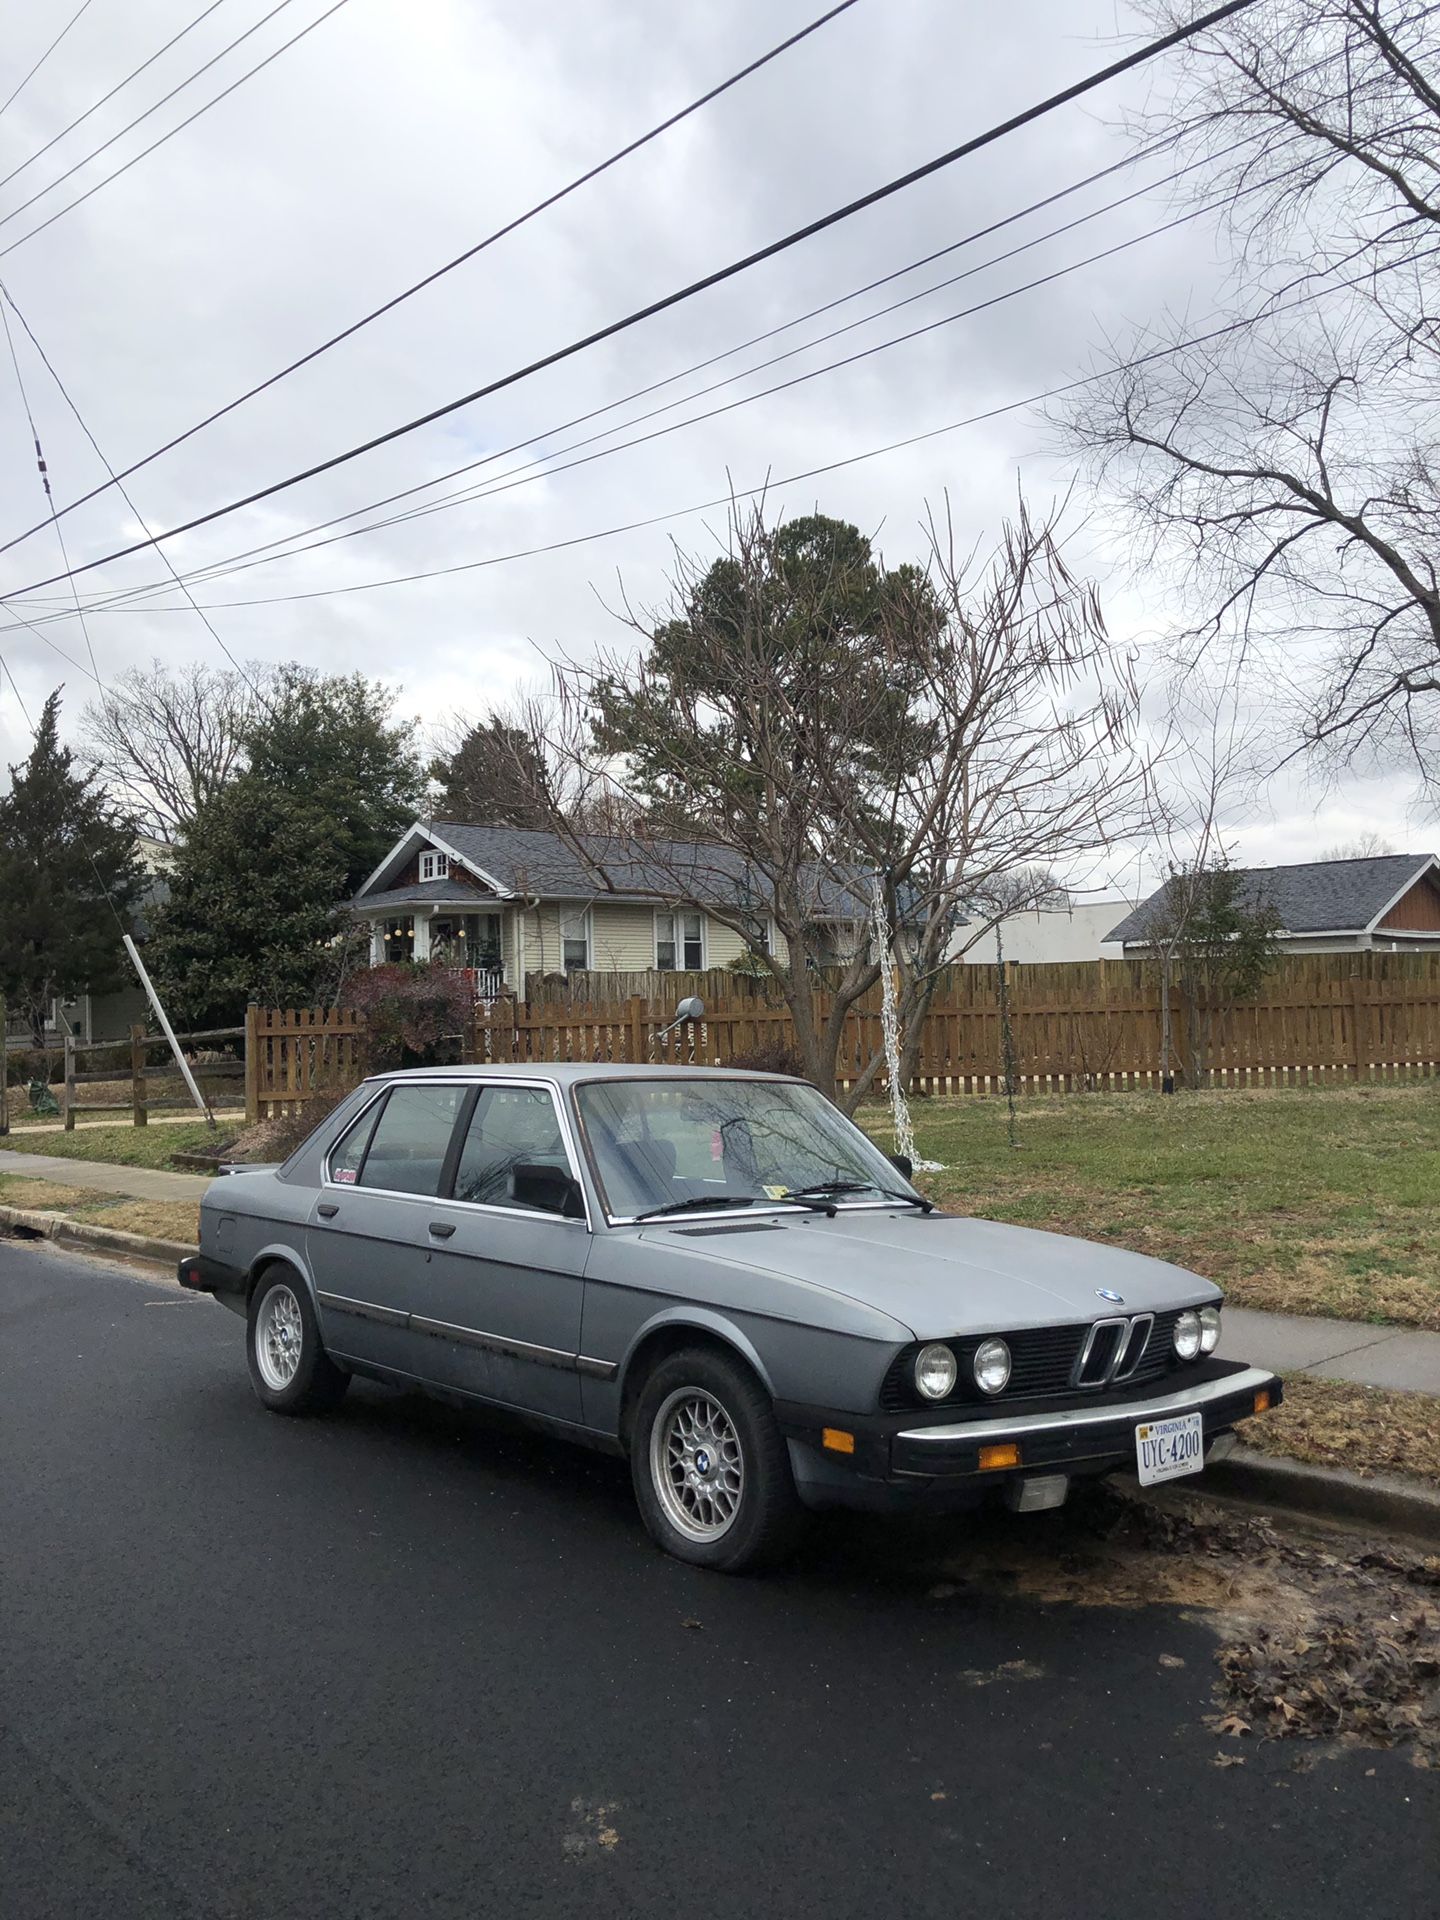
(680, 1143)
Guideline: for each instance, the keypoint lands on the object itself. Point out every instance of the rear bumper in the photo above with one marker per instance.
(202, 1274)
(897, 1464)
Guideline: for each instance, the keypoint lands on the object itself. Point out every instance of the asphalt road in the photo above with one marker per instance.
(408, 1662)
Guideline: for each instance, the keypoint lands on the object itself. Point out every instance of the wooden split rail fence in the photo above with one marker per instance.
(143, 1073)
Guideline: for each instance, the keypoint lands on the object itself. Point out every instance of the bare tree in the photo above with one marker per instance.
(832, 728)
(1368, 845)
(1291, 466)
(165, 739)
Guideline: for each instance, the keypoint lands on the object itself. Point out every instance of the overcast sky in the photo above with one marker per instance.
(393, 137)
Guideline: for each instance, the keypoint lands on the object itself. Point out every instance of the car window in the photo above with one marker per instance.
(349, 1150)
(510, 1127)
(659, 1141)
(411, 1139)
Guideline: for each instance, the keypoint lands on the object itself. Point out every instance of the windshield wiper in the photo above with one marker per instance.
(703, 1200)
(813, 1205)
(867, 1186)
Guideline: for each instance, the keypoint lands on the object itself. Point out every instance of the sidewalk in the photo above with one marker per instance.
(1399, 1357)
(139, 1183)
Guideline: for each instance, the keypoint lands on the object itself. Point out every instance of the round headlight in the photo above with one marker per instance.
(935, 1371)
(1187, 1335)
(1209, 1329)
(992, 1366)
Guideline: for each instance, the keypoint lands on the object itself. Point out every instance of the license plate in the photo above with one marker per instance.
(1164, 1449)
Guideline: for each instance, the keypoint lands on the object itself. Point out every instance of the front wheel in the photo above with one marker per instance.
(710, 1466)
(289, 1369)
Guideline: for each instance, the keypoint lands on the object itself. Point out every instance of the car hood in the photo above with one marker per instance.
(942, 1274)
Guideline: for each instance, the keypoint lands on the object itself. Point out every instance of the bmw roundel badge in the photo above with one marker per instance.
(1108, 1293)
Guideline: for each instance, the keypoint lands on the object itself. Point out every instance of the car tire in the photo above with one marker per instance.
(710, 1466)
(289, 1368)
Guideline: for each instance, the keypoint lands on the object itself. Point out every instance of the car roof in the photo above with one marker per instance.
(570, 1072)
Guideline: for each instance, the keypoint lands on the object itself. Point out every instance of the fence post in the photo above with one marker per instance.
(1357, 1021)
(252, 1063)
(139, 1112)
(637, 1030)
(69, 1083)
(4, 1070)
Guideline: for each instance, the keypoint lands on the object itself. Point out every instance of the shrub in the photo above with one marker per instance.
(774, 1056)
(27, 1064)
(415, 1014)
(277, 1139)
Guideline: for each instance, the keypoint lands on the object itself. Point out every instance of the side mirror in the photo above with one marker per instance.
(548, 1189)
(691, 1009)
(902, 1163)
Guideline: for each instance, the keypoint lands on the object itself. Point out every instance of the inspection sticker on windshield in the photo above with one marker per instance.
(776, 1193)
(1164, 1449)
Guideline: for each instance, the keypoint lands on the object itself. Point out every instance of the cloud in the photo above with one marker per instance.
(395, 136)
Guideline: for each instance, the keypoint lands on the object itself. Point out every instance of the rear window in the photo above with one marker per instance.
(411, 1138)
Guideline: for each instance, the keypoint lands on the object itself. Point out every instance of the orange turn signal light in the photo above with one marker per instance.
(837, 1440)
(992, 1457)
(1262, 1400)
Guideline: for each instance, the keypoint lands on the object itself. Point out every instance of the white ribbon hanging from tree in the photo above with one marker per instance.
(890, 1028)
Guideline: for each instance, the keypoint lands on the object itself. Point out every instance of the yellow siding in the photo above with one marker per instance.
(622, 939)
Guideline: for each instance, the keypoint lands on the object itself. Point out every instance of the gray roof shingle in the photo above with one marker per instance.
(1319, 896)
(531, 861)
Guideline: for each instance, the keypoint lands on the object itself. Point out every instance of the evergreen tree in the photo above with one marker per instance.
(261, 875)
(63, 849)
(494, 778)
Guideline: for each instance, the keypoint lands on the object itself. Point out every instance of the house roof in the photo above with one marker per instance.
(527, 861)
(1318, 896)
(433, 893)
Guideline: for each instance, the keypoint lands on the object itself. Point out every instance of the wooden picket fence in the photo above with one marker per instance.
(1085, 1026)
(292, 1054)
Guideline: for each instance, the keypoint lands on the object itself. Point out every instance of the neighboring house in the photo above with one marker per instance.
(106, 1016)
(1389, 904)
(1041, 935)
(506, 902)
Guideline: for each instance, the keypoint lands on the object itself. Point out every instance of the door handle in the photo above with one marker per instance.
(327, 1209)
(442, 1229)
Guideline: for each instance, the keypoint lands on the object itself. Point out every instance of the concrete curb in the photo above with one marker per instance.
(80, 1233)
(1380, 1499)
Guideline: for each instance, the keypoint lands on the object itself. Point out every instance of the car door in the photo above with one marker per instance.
(499, 1299)
(368, 1237)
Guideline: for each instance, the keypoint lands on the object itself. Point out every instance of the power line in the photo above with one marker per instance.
(541, 206)
(544, 470)
(129, 594)
(878, 194)
(44, 473)
(144, 152)
(95, 107)
(7, 299)
(1268, 311)
(7, 104)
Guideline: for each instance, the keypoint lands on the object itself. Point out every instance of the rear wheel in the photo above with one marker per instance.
(289, 1369)
(710, 1466)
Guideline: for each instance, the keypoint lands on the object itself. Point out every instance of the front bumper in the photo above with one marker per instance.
(896, 1463)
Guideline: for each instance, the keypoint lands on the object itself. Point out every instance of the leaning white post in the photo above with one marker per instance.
(166, 1029)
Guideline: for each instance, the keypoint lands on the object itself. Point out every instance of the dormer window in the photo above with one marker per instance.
(434, 866)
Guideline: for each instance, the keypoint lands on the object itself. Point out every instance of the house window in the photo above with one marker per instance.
(434, 866)
(679, 942)
(575, 939)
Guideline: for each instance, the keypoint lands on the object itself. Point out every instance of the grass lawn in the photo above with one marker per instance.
(1299, 1200)
(1333, 1424)
(158, 1219)
(124, 1146)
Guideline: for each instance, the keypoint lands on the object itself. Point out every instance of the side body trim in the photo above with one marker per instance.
(472, 1337)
